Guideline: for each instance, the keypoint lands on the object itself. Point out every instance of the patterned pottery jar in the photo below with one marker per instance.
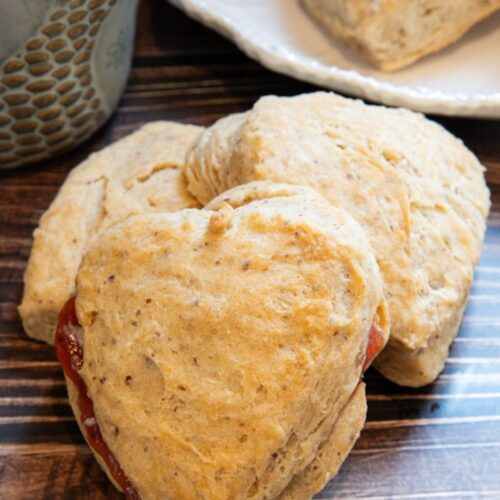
(63, 67)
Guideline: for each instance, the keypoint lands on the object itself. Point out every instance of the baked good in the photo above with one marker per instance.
(223, 348)
(417, 191)
(391, 34)
(137, 174)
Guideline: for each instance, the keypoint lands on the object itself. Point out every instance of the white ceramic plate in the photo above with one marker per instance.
(461, 80)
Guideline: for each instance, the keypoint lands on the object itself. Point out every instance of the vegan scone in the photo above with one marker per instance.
(417, 191)
(221, 291)
(217, 353)
(140, 173)
(392, 34)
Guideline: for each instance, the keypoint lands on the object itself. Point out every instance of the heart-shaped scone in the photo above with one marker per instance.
(138, 174)
(416, 190)
(217, 353)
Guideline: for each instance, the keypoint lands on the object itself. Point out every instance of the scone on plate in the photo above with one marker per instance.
(140, 173)
(416, 190)
(392, 34)
(220, 350)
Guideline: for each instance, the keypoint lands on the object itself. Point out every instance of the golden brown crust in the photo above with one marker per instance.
(417, 191)
(219, 361)
(140, 173)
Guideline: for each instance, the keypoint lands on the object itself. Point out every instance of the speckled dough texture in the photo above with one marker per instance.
(140, 173)
(223, 347)
(417, 191)
(392, 34)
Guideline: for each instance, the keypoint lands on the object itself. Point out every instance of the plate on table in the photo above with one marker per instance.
(460, 80)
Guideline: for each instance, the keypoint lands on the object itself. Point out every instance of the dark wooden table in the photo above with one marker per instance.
(442, 441)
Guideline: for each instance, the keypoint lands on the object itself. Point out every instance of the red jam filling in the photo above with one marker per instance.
(70, 353)
(376, 342)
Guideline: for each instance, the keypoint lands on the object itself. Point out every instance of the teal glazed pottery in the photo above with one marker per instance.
(64, 65)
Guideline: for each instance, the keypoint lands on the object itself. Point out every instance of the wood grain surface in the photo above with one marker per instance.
(441, 441)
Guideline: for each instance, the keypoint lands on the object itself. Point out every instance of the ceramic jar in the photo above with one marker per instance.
(64, 64)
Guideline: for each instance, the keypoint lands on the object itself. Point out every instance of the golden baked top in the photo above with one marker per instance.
(218, 342)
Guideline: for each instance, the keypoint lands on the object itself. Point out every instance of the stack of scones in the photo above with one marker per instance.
(224, 289)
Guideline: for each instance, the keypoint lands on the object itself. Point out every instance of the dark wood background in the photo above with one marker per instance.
(442, 441)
